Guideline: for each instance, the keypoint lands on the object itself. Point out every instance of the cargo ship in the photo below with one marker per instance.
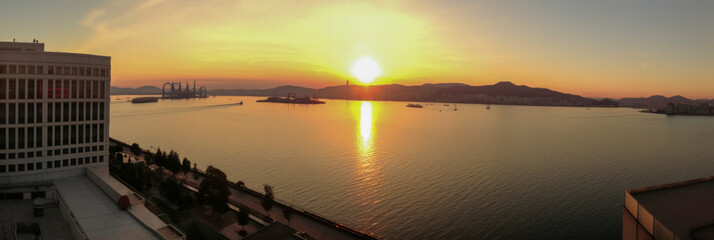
(145, 100)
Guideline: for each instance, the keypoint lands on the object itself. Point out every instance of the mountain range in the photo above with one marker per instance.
(499, 93)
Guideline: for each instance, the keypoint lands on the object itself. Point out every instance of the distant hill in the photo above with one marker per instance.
(145, 90)
(499, 93)
(659, 101)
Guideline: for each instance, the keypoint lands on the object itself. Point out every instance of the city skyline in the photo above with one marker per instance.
(604, 49)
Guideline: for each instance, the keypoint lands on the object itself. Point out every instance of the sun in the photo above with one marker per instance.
(366, 69)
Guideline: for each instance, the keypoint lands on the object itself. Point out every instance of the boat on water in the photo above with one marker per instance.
(412, 105)
(240, 103)
(145, 100)
(446, 105)
(302, 100)
(488, 107)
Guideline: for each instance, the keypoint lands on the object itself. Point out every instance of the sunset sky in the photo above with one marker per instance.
(610, 48)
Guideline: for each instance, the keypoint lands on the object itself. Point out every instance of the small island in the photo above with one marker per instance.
(300, 100)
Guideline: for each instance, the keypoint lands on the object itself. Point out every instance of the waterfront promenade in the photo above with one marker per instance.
(317, 227)
(302, 221)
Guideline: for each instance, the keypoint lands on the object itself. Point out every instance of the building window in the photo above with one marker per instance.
(81, 112)
(49, 138)
(38, 139)
(38, 112)
(95, 89)
(101, 111)
(57, 164)
(81, 89)
(3, 88)
(65, 89)
(74, 88)
(30, 137)
(30, 113)
(88, 90)
(80, 134)
(74, 134)
(11, 113)
(21, 113)
(30, 88)
(39, 89)
(101, 89)
(101, 132)
(22, 88)
(11, 167)
(58, 139)
(3, 141)
(3, 112)
(66, 112)
(38, 165)
(12, 89)
(50, 89)
(48, 164)
(74, 111)
(65, 134)
(21, 138)
(58, 89)
(11, 138)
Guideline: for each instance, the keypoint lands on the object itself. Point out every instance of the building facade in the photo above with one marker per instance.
(54, 113)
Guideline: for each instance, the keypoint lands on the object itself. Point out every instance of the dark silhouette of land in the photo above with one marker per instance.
(499, 93)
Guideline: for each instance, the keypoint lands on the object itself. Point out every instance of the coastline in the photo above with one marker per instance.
(245, 197)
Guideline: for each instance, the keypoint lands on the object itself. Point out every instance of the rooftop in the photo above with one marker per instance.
(682, 209)
(22, 46)
(29, 51)
(97, 214)
(84, 207)
(13, 212)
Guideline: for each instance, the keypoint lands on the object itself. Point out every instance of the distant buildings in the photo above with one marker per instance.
(687, 109)
(674, 211)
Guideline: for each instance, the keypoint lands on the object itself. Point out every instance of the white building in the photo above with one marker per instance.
(54, 148)
(54, 112)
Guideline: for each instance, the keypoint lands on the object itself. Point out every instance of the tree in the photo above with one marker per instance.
(214, 190)
(135, 149)
(243, 219)
(287, 212)
(268, 198)
(185, 165)
(171, 189)
(173, 162)
(240, 184)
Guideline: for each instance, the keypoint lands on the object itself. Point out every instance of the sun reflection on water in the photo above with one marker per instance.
(368, 175)
(365, 130)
